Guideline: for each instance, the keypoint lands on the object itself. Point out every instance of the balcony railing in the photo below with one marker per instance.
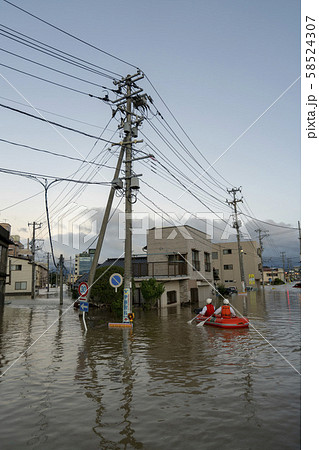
(162, 269)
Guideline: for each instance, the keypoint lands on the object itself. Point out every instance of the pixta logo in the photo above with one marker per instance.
(75, 225)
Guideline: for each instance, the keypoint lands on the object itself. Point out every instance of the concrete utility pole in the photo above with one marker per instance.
(48, 280)
(35, 227)
(104, 224)
(283, 263)
(299, 239)
(261, 237)
(237, 225)
(61, 262)
(124, 105)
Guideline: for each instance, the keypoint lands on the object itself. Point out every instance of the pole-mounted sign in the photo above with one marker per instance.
(116, 280)
(84, 305)
(83, 289)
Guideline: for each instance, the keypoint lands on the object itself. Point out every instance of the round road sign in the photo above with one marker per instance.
(83, 289)
(116, 280)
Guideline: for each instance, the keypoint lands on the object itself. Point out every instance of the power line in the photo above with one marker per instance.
(56, 124)
(48, 81)
(35, 175)
(53, 69)
(70, 35)
(269, 223)
(183, 129)
(53, 113)
(55, 154)
(54, 52)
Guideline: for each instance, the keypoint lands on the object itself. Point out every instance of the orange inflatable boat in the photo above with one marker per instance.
(222, 322)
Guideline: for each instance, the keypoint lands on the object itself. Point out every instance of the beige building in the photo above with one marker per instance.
(20, 276)
(186, 260)
(271, 273)
(225, 258)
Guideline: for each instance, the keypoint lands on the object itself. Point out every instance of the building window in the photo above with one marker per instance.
(207, 262)
(214, 255)
(171, 297)
(195, 260)
(227, 251)
(228, 267)
(20, 285)
(16, 267)
(216, 274)
(177, 265)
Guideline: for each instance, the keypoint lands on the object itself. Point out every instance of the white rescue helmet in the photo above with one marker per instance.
(208, 301)
(226, 302)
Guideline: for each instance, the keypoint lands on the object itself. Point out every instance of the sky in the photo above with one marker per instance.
(225, 78)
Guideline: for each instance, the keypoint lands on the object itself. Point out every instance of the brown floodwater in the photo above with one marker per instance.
(166, 384)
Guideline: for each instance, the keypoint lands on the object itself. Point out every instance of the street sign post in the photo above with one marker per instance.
(84, 305)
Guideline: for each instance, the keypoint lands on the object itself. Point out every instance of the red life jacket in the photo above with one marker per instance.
(210, 310)
(226, 311)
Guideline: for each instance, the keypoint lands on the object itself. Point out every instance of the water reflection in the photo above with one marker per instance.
(166, 384)
(113, 372)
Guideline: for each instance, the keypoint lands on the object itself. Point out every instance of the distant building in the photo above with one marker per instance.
(225, 260)
(4, 244)
(83, 262)
(271, 273)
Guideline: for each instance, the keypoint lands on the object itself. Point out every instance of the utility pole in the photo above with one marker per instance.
(283, 263)
(61, 262)
(35, 226)
(48, 281)
(104, 224)
(124, 104)
(261, 237)
(299, 239)
(237, 225)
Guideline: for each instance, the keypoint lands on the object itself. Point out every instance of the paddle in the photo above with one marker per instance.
(190, 321)
(200, 324)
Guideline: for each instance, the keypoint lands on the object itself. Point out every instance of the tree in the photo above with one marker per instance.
(151, 291)
(103, 292)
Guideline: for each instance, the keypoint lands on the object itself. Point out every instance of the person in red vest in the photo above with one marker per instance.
(208, 309)
(225, 310)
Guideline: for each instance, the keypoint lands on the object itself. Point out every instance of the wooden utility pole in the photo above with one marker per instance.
(35, 226)
(237, 225)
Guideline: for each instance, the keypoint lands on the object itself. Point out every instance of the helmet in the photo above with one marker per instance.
(226, 302)
(209, 300)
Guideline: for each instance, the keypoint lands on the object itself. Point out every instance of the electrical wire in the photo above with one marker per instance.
(53, 113)
(35, 175)
(55, 123)
(72, 158)
(49, 50)
(53, 69)
(69, 34)
(48, 81)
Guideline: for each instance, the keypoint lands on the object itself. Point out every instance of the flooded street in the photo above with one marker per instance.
(165, 385)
